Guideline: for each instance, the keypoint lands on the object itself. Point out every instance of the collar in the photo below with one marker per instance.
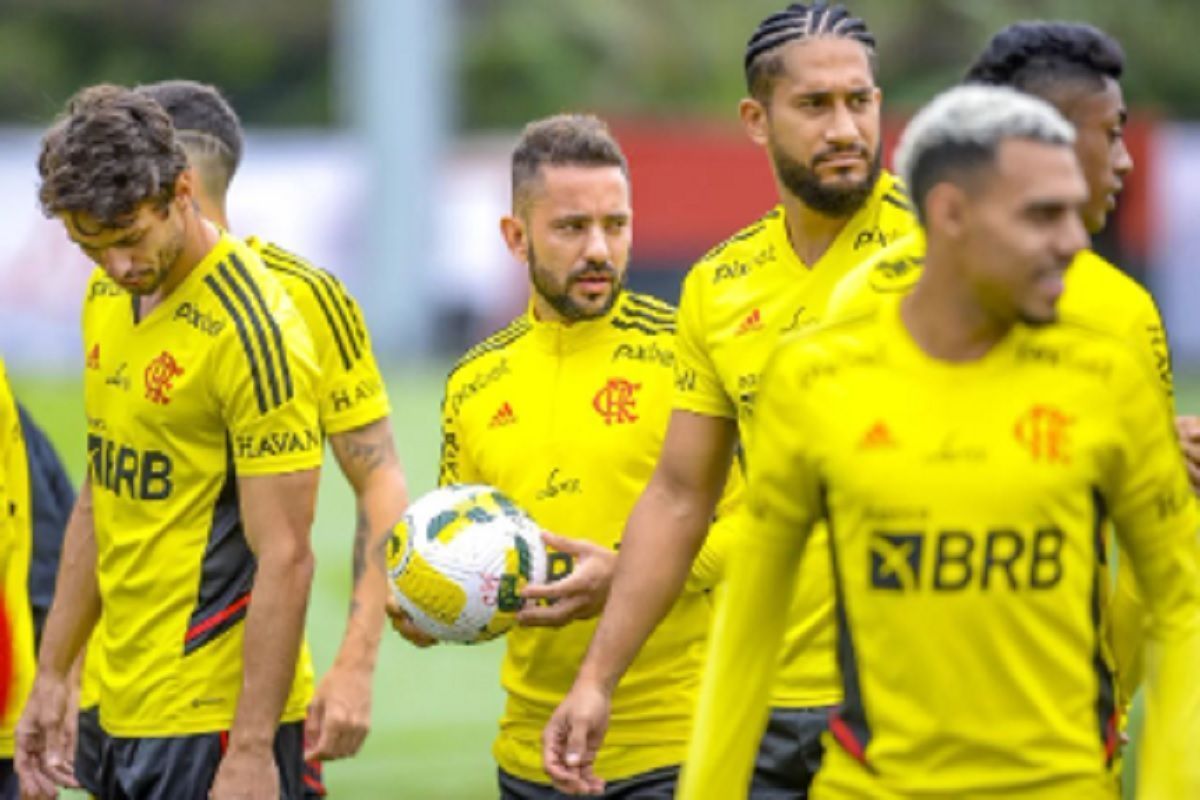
(561, 338)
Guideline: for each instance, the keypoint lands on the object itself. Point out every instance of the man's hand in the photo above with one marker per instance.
(580, 595)
(403, 625)
(246, 773)
(339, 716)
(572, 738)
(44, 756)
(1188, 428)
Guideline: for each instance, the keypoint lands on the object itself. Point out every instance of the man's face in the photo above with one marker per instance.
(1099, 120)
(137, 256)
(822, 125)
(1021, 228)
(575, 236)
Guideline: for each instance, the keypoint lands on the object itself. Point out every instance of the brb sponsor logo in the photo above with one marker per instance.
(198, 319)
(129, 472)
(616, 401)
(160, 375)
(955, 560)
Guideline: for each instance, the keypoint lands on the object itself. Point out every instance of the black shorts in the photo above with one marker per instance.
(91, 740)
(8, 780)
(790, 753)
(181, 767)
(657, 784)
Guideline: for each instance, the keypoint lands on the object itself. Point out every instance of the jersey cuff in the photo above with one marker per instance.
(707, 409)
(279, 466)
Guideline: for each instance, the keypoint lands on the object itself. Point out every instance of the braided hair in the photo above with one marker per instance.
(797, 22)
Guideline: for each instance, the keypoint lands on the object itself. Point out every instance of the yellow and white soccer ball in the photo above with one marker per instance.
(458, 561)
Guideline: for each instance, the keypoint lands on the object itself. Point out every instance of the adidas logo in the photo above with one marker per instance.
(93, 357)
(503, 416)
(752, 322)
(877, 437)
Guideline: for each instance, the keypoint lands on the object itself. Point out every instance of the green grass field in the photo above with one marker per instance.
(435, 710)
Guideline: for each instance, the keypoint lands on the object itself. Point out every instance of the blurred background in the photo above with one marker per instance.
(378, 133)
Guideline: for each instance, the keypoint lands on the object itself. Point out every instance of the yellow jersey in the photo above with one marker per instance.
(351, 389)
(966, 503)
(217, 382)
(1096, 295)
(737, 301)
(16, 547)
(568, 420)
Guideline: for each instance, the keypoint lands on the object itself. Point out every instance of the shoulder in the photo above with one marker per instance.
(1098, 293)
(243, 287)
(642, 315)
(736, 255)
(493, 350)
(832, 347)
(1080, 349)
(300, 277)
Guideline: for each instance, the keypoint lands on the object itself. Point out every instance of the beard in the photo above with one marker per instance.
(559, 295)
(803, 181)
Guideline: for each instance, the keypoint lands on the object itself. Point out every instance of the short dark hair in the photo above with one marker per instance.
(110, 151)
(207, 127)
(763, 62)
(1036, 57)
(562, 140)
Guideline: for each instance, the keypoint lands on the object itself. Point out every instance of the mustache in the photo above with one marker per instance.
(834, 152)
(593, 270)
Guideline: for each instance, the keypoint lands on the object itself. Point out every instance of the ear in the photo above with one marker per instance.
(946, 209)
(755, 120)
(516, 237)
(185, 186)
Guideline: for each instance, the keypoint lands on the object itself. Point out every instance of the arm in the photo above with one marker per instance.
(42, 734)
(277, 513)
(663, 534)
(340, 715)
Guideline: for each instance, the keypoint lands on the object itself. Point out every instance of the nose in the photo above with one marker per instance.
(842, 129)
(116, 263)
(596, 250)
(1122, 161)
(1073, 236)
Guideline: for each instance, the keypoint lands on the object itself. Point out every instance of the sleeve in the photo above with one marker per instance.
(1156, 521)
(697, 386)
(1149, 338)
(265, 378)
(782, 501)
(353, 393)
(454, 465)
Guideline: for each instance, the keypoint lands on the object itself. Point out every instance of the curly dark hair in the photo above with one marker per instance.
(109, 152)
(207, 127)
(562, 140)
(1035, 57)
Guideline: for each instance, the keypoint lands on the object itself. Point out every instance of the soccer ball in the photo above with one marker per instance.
(458, 560)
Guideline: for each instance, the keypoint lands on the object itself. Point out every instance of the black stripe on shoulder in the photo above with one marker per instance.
(239, 323)
(255, 321)
(497, 341)
(625, 324)
(645, 317)
(745, 233)
(651, 303)
(899, 201)
(289, 391)
(335, 302)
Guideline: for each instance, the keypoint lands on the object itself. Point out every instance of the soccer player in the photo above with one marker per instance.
(965, 447)
(16, 543)
(353, 408)
(1077, 69)
(564, 410)
(814, 107)
(192, 526)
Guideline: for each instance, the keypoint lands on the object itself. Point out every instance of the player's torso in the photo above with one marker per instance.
(174, 567)
(965, 506)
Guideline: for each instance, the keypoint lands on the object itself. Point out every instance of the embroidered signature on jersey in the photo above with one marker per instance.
(160, 373)
(1044, 432)
(617, 401)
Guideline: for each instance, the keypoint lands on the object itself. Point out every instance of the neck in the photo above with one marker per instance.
(213, 211)
(811, 233)
(200, 237)
(945, 319)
